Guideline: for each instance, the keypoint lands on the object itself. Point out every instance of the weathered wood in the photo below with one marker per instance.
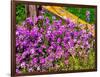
(27, 10)
(32, 10)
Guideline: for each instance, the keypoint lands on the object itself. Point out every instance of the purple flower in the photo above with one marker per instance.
(30, 70)
(42, 11)
(25, 53)
(66, 54)
(58, 40)
(35, 60)
(75, 34)
(18, 71)
(47, 20)
(60, 32)
(87, 13)
(40, 17)
(59, 22)
(67, 33)
(71, 43)
(42, 60)
(66, 62)
(71, 25)
(54, 44)
(58, 54)
(32, 51)
(23, 65)
(79, 42)
(30, 21)
(40, 50)
(50, 58)
(68, 21)
(35, 19)
(43, 46)
(17, 32)
(72, 51)
(59, 48)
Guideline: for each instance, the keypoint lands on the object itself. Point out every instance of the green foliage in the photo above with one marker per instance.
(91, 59)
(79, 64)
(81, 13)
(20, 13)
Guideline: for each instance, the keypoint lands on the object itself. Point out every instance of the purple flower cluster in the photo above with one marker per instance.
(44, 44)
(88, 16)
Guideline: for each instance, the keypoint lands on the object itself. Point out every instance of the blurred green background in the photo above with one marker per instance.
(21, 14)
